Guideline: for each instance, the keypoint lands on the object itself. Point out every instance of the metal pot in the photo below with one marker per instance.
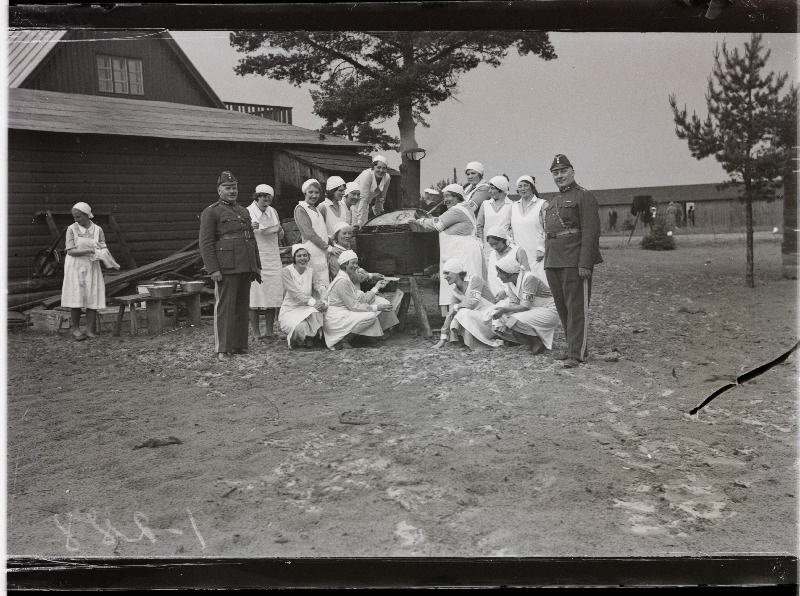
(386, 244)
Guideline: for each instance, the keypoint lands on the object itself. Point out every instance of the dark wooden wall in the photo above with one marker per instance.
(72, 68)
(156, 188)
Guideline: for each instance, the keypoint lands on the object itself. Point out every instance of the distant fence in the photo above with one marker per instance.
(277, 113)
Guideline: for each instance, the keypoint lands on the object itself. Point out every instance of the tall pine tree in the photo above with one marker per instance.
(743, 130)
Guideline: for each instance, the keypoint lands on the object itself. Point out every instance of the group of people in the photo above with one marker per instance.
(318, 296)
(510, 271)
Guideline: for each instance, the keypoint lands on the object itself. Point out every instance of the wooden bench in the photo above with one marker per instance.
(155, 311)
(419, 306)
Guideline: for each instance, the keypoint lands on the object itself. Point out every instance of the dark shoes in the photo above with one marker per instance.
(571, 363)
(224, 356)
(562, 356)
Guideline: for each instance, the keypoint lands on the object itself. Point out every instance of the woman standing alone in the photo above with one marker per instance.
(266, 296)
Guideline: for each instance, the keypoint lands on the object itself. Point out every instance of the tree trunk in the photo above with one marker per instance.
(409, 170)
(749, 280)
(789, 245)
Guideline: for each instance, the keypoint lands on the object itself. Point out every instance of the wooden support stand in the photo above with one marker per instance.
(155, 311)
(419, 307)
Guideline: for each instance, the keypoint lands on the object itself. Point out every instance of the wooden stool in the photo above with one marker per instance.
(155, 311)
(419, 307)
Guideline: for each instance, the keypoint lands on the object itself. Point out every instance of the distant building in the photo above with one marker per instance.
(715, 210)
(124, 121)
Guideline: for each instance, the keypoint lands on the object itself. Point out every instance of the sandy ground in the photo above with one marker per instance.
(401, 450)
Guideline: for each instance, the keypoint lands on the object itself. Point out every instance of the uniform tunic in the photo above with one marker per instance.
(572, 227)
(83, 285)
(268, 293)
(371, 190)
(236, 258)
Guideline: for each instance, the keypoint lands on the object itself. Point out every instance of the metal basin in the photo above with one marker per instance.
(386, 244)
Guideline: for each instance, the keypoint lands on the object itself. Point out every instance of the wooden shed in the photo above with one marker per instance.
(154, 165)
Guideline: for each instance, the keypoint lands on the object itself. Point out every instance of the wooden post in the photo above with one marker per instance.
(134, 320)
(118, 326)
(419, 307)
(122, 246)
(155, 316)
(193, 310)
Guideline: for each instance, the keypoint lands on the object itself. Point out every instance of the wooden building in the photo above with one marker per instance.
(715, 210)
(152, 160)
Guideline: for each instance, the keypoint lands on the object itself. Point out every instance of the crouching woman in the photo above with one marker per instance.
(352, 312)
(303, 303)
(525, 313)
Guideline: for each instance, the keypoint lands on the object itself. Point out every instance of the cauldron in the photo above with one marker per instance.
(386, 244)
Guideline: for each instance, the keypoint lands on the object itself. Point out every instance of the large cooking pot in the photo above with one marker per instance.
(386, 244)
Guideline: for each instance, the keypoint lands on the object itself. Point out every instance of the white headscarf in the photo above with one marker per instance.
(498, 232)
(265, 189)
(296, 247)
(475, 165)
(334, 182)
(509, 264)
(350, 187)
(500, 182)
(308, 183)
(454, 188)
(340, 226)
(382, 159)
(84, 208)
(454, 265)
(527, 179)
(347, 256)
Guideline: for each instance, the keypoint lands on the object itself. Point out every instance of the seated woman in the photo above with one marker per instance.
(300, 315)
(471, 300)
(525, 313)
(497, 238)
(352, 312)
(342, 238)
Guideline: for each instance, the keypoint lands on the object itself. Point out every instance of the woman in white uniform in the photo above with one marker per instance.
(476, 191)
(457, 238)
(526, 313)
(466, 319)
(83, 285)
(497, 238)
(310, 221)
(527, 224)
(334, 213)
(496, 212)
(266, 297)
(303, 303)
(352, 312)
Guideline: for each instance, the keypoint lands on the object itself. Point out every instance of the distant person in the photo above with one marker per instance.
(672, 216)
(374, 184)
(572, 249)
(690, 215)
(430, 198)
(612, 220)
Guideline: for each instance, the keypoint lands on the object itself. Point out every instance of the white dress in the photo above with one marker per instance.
(465, 248)
(470, 321)
(528, 233)
(348, 314)
(268, 293)
(495, 285)
(298, 318)
(541, 317)
(331, 218)
(83, 285)
(492, 218)
(319, 257)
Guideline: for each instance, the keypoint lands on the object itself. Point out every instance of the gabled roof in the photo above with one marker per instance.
(334, 162)
(27, 48)
(681, 193)
(31, 109)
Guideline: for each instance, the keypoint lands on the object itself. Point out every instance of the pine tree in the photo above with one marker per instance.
(741, 129)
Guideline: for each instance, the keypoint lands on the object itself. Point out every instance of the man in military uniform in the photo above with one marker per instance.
(571, 250)
(230, 256)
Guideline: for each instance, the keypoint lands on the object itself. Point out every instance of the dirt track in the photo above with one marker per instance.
(405, 451)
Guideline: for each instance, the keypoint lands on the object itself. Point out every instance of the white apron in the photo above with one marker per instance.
(494, 218)
(494, 283)
(340, 321)
(529, 234)
(83, 279)
(465, 248)
(268, 293)
(540, 320)
(331, 219)
(319, 258)
(474, 321)
(299, 321)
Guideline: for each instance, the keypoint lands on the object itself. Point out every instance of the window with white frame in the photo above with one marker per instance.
(120, 75)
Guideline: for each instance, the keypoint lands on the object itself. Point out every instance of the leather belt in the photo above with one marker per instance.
(246, 235)
(563, 232)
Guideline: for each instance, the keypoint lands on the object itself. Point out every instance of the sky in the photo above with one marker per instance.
(603, 102)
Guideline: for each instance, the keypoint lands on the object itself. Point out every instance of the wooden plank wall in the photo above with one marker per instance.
(156, 188)
(72, 67)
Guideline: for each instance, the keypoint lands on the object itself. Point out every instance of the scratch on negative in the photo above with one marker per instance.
(196, 531)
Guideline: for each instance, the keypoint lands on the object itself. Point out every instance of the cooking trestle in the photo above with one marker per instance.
(386, 244)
